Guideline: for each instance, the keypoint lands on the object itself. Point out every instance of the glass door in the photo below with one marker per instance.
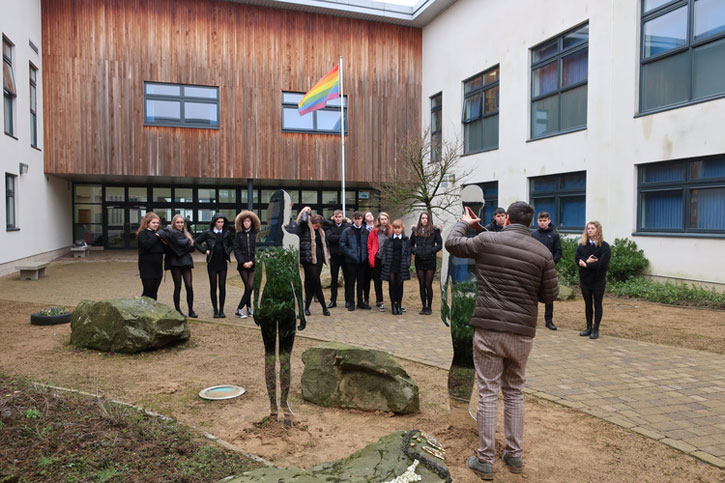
(115, 226)
(134, 216)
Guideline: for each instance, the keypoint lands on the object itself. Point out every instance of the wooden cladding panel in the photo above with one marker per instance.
(97, 55)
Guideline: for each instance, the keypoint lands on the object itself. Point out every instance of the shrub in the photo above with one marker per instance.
(668, 293)
(566, 268)
(627, 261)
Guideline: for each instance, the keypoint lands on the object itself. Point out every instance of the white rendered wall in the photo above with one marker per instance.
(43, 203)
(473, 35)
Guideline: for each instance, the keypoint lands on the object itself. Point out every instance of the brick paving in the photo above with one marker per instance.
(676, 396)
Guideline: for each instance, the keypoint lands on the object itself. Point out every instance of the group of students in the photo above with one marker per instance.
(365, 248)
(170, 248)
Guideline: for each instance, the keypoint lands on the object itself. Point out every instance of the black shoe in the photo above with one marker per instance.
(222, 315)
(422, 311)
(325, 312)
(586, 333)
(307, 312)
(192, 314)
(428, 311)
(350, 308)
(332, 305)
(550, 325)
(216, 315)
(594, 334)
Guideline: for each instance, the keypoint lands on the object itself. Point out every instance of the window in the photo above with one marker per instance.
(480, 112)
(436, 139)
(559, 83)
(686, 196)
(9, 89)
(683, 52)
(33, 106)
(10, 201)
(325, 120)
(490, 196)
(181, 105)
(563, 196)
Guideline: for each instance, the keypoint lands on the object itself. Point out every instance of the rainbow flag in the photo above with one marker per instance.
(327, 88)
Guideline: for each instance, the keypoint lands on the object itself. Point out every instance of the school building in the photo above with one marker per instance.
(590, 109)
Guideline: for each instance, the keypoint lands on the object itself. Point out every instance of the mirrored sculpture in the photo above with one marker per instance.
(458, 299)
(280, 285)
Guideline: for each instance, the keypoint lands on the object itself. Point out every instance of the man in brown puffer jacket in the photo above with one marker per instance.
(514, 273)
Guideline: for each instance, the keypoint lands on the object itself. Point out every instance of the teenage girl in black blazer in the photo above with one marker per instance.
(216, 243)
(150, 255)
(247, 225)
(592, 256)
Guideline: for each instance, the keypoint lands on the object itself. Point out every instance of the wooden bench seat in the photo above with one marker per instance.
(31, 271)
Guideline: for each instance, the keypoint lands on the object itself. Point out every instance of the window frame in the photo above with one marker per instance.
(685, 185)
(33, 95)
(484, 87)
(11, 194)
(557, 58)
(558, 194)
(436, 136)
(690, 45)
(182, 98)
(8, 96)
(314, 130)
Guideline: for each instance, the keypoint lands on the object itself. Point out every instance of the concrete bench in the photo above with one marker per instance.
(79, 252)
(31, 271)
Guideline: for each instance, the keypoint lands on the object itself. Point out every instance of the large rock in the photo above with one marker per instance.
(566, 293)
(349, 377)
(382, 461)
(126, 325)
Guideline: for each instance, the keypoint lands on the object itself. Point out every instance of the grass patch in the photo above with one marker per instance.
(668, 293)
(48, 435)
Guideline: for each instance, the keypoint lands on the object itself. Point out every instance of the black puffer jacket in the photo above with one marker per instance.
(207, 240)
(594, 276)
(514, 272)
(178, 248)
(388, 258)
(426, 247)
(310, 241)
(551, 240)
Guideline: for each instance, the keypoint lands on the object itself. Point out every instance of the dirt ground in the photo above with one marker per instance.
(560, 444)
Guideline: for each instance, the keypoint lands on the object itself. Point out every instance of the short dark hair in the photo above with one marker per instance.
(356, 215)
(499, 211)
(338, 212)
(521, 213)
(544, 215)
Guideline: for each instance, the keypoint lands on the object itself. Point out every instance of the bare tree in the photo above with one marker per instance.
(426, 176)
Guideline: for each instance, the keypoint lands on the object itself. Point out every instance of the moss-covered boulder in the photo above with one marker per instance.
(126, 325)
(388, 458)
(350, 377)
(566, 293)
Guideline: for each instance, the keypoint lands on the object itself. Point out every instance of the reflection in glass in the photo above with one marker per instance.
(574, 108)
(115, 216)
(574, 67)
(711, 168)
(666, 32)
(204, 92)
(546, 79)
(163, 89)
(88, 193)
(545, 116)
(87, 214)
(472, 108)
(490, 132)
(116, 239)
(491, 100)
(473, 84)
(202, 113)
(157, 110)
(162, 195)
(577, 37)
(308, 197)
(137, 194)
(206, 195)
(227, 195)
(652, 4)
(328, 120)
(330, 197)
(709, 18)
(546, 50)
(92, 234)
(115, 193)
(183, 195)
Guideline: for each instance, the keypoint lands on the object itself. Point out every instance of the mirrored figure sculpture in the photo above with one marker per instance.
(458, 299)
(279, 283)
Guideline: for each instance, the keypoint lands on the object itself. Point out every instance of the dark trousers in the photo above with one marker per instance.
(336, 263)
(354, 277)
(150, 287)
(549, 312)
(593, 306)
(313, 286)
(365, 275)
(395, 288)
(377, 281)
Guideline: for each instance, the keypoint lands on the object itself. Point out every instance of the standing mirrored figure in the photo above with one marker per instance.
(280, 303)
(458, 299)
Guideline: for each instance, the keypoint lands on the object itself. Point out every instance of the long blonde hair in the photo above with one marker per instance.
(598, 238)
(186, 232)
(388, 227)
(146, 221)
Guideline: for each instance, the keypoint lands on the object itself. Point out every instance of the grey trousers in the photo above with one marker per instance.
(500, 360)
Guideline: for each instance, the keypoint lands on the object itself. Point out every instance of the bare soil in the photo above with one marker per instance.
(561, 444)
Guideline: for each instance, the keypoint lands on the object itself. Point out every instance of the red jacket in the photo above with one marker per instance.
(373, 245)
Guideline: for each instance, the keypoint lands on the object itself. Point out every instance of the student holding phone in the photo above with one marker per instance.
(592, 256)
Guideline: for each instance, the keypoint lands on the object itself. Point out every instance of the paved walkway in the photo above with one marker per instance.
(676, 396)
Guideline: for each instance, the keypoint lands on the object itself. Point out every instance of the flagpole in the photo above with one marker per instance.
(342, 137)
